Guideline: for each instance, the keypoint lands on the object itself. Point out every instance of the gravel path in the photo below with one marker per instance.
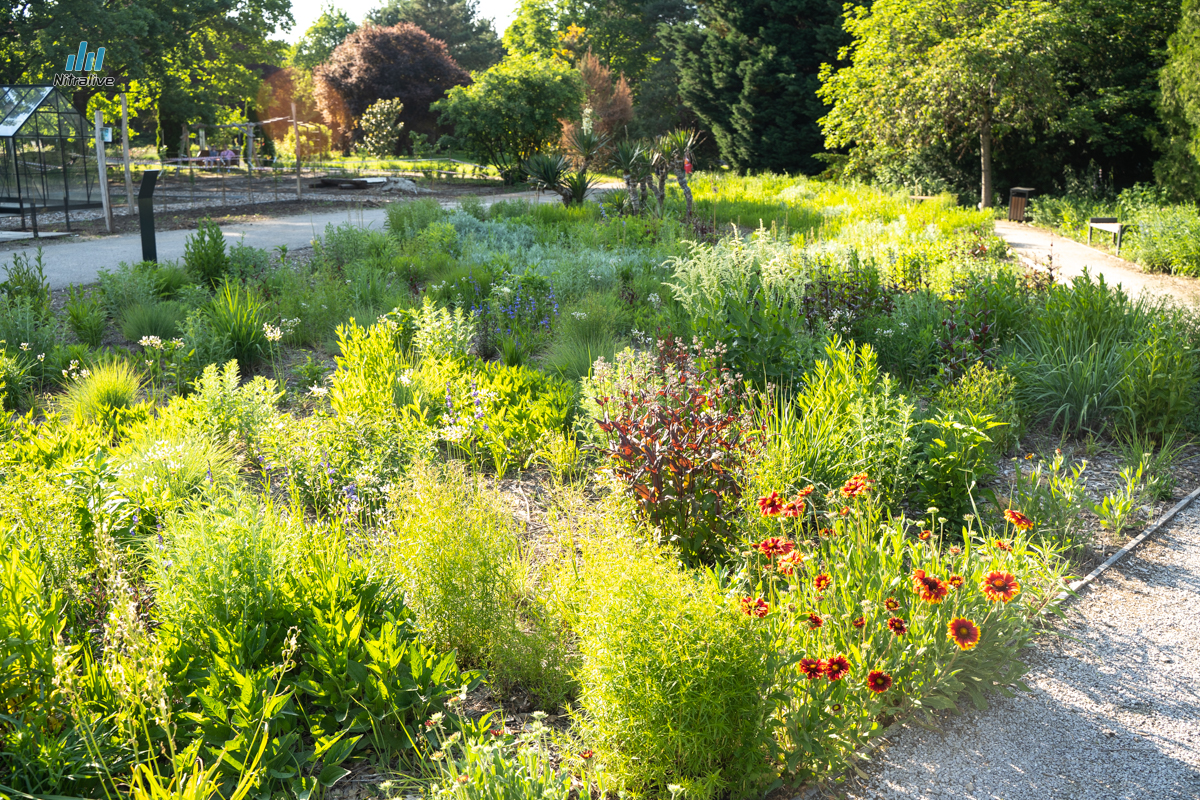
(1115, 707)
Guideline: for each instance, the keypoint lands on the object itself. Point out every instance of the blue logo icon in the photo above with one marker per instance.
(83, 61)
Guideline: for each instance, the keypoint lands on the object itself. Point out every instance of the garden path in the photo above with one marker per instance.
(1069, 257)
(1114, 711)
(79, 262)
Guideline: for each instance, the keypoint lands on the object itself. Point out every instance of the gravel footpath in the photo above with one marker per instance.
(1115, 707)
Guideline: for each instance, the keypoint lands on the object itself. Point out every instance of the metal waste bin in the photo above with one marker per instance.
(145, 200)
(1018, 199)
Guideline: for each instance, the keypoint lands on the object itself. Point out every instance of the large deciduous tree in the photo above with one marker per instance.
(1179, 168)
(375, 63)
(321, 38)
(954, 71)
(472, 41)
(750, 72)
(513, 110)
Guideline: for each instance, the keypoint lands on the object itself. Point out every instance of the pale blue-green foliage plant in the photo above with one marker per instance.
(846, 418)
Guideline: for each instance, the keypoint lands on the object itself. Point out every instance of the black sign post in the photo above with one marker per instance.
(146, 214)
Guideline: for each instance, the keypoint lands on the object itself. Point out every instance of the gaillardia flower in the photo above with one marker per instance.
(964, 632)
(812, 668)
(787, 565)
(774, 546)
(770, 505)
(879, 681)
(814, 622)
(924, 535)
(1019, 520)
(956, 581)
(1001, 586)
(891, 604)
(932, 589)
(822, 582)
(897, 626)
(858, 623)
(755, 607)
(857, 486)
(837, 667)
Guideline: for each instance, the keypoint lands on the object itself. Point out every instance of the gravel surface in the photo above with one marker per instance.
(1115, 706)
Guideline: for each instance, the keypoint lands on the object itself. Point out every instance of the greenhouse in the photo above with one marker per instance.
(45, 165)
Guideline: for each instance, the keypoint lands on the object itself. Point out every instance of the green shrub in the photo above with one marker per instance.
(1167, 239)
(223, 410)
(26, 280)
(366, 381)
(673, 677)
(1158, 374)
(381, 126)
(102, 392)
(131, 285)
(983, 390)
(161, 319)
(495, 769)
(459, 556)
(847, 419)
(162, 469)
(171, 280)
(28, 336)
(958, 455)
(441, 332)
(85, 316)
(15, 382)
(204, 253)
(246, 262)
(237, 317)
(408, 218)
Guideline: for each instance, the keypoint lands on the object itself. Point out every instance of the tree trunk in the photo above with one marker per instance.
(681, 177)
(985, 159)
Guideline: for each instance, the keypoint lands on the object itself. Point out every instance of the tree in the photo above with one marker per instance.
(532, 31)
(472, 41)
(607, 104)
(513, 110)
(381, 128)
(625, 34)
(321, 38)
(401, 62)
(750, 73)
(924, 71)
(1179, 169)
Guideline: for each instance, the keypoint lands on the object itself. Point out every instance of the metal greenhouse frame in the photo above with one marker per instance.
(45, 165)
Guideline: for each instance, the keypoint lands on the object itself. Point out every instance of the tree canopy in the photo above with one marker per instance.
(749, 71)
(513, 110)
(472, 41)
(319, 41)
(942, 70)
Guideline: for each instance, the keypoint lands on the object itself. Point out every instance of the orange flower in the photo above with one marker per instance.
(822, 582)
(956, 581)
(932, 589)
(964, 632)
(836, 668)
(1001, 586)
(891, 604)
(955, 550)
(770, 505)
(858, 623)
(814, 622)
(755, 607)
(879, 681)
(803, 493)
(793, 509)
(825, 533)
(586, 755)
(812, 668)
(1019, 520)
(788, 564)
(857, 486)
(774, 546)
(1003, 546)
(897, 626)
(924, 535)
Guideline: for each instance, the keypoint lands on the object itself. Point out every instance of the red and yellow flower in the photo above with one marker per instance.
(1002, 586)
(822, 582)
(755, 607)
(891, 604)
(770, 505)
(879, 681)
(857, 486)
(774, 546)
(964, 633)
(1018, 520)
(837, 668)
(812, 668)
(932, 589)
(897, 626)
(956, 581)
(814, 622)
(858, 623)
(787, 565)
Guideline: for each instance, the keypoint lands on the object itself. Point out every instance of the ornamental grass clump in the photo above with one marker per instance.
(682, 450)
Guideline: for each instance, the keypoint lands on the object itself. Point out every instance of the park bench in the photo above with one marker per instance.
(1109, 225)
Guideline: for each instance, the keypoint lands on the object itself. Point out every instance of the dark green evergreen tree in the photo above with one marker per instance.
(749, 71)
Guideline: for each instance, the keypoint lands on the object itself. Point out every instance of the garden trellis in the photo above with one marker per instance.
(45, 164)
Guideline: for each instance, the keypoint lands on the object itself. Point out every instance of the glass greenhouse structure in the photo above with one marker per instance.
(46, 165)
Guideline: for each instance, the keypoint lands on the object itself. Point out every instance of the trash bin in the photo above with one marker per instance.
(1018, 198)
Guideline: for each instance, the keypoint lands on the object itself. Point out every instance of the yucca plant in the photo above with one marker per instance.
(236, 315)
(633, 163)
(586, 145)
(549, 173)
(678, 148)
(576, 185)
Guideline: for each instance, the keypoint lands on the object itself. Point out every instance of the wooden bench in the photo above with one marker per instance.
(1109, 225)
